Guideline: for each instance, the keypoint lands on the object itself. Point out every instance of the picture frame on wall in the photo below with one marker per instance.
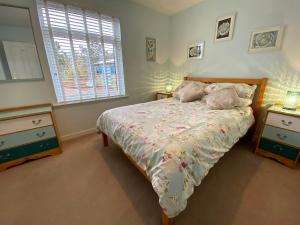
(196, 51)
(150, 49)
(266, 39)
(225, 27)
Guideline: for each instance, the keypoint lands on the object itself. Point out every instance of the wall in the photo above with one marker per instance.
(231, 58)
(141, 77)
(228, 59)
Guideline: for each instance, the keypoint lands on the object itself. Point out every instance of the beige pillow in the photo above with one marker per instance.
(183, 83)
(243, 90)
(186, 82)
(245, 102)
(226, 98)
(191, 92)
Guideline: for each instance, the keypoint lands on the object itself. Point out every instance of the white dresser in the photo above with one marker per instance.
(27, 133)
(280, 136)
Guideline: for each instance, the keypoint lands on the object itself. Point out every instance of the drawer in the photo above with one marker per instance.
(282, 135)
(283, 121)
(27, 150)
(161, 96)
(278, 149)
(25, 123)
(25, 137)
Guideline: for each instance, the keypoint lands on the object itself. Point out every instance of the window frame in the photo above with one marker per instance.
(118, 60)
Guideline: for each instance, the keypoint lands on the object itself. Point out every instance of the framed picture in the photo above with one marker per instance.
(196, 51)
(151, 49)
(225, 27)
(266, 39)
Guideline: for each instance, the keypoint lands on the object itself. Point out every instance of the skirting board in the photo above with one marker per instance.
(78, 134)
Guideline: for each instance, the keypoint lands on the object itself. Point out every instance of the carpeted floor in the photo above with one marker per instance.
(90, 185)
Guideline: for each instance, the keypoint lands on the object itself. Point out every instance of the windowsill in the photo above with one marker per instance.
(89, 101)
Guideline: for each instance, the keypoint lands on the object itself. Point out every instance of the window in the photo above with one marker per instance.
(83, 50)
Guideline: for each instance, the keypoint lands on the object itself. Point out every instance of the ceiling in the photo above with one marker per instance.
(168, 7)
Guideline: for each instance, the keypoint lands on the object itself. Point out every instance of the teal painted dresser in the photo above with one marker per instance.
(27, 133)
(280, 136)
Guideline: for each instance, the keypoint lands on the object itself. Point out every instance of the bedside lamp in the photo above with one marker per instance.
(168, 88)
(291, 100)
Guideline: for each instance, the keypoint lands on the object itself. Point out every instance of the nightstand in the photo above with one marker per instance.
(162, 95)
(280, 136)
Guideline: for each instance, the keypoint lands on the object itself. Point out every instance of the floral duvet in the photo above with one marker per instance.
(175, 143)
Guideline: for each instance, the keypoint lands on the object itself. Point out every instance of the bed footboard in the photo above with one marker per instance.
(105, 139)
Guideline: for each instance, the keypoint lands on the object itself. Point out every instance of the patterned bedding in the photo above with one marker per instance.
(175, 143)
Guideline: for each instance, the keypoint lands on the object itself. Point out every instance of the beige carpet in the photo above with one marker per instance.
(90, 185)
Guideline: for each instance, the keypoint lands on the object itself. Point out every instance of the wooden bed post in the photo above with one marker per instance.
(166, 220)
(105, 139)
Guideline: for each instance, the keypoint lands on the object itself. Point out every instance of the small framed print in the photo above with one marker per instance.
(150, 49)
(266, 39)
(225, 27)
(196, 51)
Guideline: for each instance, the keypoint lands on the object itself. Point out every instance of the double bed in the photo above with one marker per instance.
(175, 144)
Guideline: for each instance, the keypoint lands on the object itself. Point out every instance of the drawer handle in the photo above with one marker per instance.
(41, 134)
(2, 143)
(36, 122)
(281, 137)
(286, 123)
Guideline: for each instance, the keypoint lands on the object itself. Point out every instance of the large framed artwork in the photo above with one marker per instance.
(150, 49)
(225, 27)
(196, 51)
(266, 39)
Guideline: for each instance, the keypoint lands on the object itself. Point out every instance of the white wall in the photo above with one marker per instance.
(231, 58)
(141, 77)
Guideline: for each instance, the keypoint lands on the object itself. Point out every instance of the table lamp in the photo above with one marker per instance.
(168, 88)
(291, 100)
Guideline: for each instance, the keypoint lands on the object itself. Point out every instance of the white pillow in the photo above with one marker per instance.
(191, 92)
(243, 90)
(226, 98)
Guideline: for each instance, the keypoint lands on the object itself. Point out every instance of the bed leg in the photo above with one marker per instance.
(105, 139)
(166, 220)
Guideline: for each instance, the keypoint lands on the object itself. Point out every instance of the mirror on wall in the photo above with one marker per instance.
(19, 59)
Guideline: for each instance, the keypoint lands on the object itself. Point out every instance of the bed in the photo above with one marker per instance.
(174, 144)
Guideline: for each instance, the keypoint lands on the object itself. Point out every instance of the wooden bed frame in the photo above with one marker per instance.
(256, 106)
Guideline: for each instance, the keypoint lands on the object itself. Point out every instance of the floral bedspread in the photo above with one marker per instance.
(175, 143)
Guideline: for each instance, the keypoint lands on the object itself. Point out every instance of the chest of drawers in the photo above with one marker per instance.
(27, 133)
(163, 95)
(280, 137)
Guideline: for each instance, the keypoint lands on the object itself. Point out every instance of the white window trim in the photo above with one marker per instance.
(86, 101)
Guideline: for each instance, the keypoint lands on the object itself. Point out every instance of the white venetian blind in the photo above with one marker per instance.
(84, 52)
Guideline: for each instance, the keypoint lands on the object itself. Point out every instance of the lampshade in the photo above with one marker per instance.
(168, 88)
(291, 100)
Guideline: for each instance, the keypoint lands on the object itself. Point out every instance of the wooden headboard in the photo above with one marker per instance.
(259, 93)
